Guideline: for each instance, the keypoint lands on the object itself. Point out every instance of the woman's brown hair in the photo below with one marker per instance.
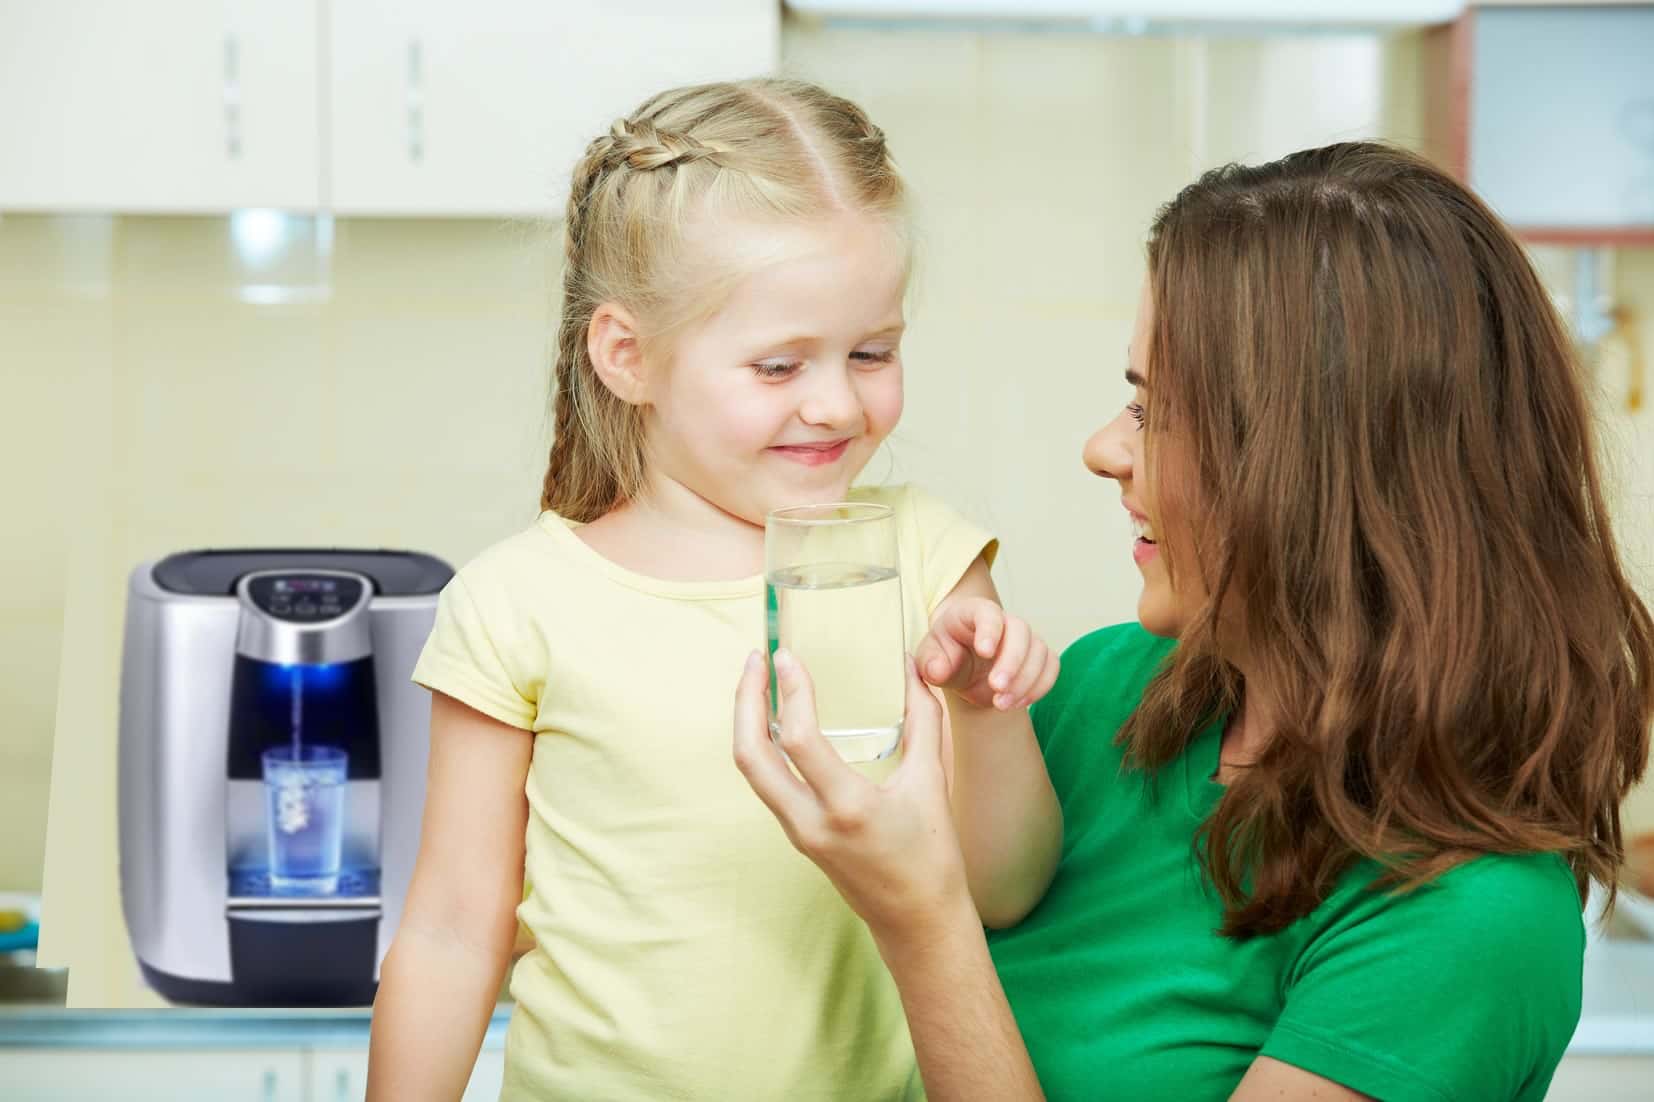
(1402, 524)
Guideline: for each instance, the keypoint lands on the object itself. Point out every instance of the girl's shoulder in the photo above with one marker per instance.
(528, 560)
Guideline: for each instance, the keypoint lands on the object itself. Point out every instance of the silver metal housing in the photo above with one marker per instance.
(181, 816)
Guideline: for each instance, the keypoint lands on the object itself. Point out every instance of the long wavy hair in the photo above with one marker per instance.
(1401, 525)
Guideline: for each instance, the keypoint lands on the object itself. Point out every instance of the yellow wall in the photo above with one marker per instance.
(403, 405)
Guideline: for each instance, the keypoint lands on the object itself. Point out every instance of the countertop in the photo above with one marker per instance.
(26, 1026)
(1617, 1018)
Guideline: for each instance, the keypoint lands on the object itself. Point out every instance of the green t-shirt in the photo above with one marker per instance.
(1466, 989)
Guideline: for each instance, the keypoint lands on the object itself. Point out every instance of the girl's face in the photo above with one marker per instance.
(1116, 451)
(783, 395)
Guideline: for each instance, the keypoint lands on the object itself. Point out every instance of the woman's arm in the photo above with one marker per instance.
(892, 852)
(1004, 808)
(440, 979)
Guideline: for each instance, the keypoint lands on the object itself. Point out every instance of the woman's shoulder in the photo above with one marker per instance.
(1115, 660)
(1102, 678)
(1494, 946)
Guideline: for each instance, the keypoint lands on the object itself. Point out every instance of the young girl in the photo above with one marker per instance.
(737, 258)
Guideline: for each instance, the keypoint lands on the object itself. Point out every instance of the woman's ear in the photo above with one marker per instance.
(616, 355)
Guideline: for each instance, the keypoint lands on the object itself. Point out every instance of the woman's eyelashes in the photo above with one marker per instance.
(782, 369)
(1137, 414)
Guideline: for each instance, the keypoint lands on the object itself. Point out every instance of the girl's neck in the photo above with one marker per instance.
(670, 532)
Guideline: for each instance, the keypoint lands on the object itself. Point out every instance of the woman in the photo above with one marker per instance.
(1332, 807)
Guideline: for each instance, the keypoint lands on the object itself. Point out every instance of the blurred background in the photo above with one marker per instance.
(286, 274)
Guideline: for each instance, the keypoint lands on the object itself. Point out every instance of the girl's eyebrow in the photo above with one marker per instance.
(1135, 379)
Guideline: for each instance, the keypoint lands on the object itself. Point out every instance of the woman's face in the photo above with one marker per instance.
(1116, 451)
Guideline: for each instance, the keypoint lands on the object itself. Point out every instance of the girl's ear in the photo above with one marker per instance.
(612, 344)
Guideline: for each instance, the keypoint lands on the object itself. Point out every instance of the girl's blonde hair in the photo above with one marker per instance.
(769, 149)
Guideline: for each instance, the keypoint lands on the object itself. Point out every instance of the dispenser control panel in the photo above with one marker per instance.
(305, 598)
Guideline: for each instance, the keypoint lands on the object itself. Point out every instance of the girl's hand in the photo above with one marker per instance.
(889, 848)
(986, 656)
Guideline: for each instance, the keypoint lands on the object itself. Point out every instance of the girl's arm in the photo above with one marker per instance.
(440, 979)
(1004, 808)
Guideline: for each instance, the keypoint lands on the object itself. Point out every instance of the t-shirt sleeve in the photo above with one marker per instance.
(1465, 989)
(948, 544)
(464, 659)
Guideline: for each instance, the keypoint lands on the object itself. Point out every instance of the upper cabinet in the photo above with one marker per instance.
(416, 107)
(483, 107)
(1547, 110)
(174, 106)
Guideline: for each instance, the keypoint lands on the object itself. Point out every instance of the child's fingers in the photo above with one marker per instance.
(1047, 678)
(1013, 651)
(990, 626)
(1028, 674)
(837, 785)
(939, 657)
(756, 756)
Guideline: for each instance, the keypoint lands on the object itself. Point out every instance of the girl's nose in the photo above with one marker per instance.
(832, 400)
(1111, 450)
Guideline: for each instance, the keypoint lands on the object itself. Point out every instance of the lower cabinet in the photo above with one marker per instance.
(1602, 1078)
(179, 1075)
(340, 1075)
(99, 1075)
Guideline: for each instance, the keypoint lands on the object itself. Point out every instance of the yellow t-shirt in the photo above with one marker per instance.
(682, 948)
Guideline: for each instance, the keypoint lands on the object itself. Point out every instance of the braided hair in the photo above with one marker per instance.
(765, 147)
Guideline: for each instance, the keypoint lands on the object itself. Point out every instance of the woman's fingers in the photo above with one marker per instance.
(841, 790)
(922, 731)
(756, 756)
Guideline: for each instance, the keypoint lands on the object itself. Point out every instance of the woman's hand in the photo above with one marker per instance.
(986, 656)
(890, 847)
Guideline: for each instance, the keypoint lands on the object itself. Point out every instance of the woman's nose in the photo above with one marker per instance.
(1110, 452)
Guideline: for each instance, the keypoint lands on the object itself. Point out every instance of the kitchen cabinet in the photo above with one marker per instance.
(1547, 111)
(1602, 1079)
(342, 1076)
(355, 106)
(482, 108)
(165, 107)
(91, 1075)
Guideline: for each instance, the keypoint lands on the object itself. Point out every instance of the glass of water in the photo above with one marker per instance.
(304, 788)
(833, 595)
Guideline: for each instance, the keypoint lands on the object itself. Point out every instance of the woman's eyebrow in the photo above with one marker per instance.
(1135, 379)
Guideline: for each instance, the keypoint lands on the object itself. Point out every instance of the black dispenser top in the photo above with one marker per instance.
(215, 573)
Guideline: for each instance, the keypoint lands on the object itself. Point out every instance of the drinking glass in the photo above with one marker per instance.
(305, 792)
(833, 597)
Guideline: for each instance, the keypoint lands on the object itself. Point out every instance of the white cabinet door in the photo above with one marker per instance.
(487, 1077)
(481, 108)
(342, 1076)
(98, 1075)
(167, 105)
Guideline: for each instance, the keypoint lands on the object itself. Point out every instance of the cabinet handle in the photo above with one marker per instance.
(269, 1085)
(416, 101)
(232, 98)
(341, 1085)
